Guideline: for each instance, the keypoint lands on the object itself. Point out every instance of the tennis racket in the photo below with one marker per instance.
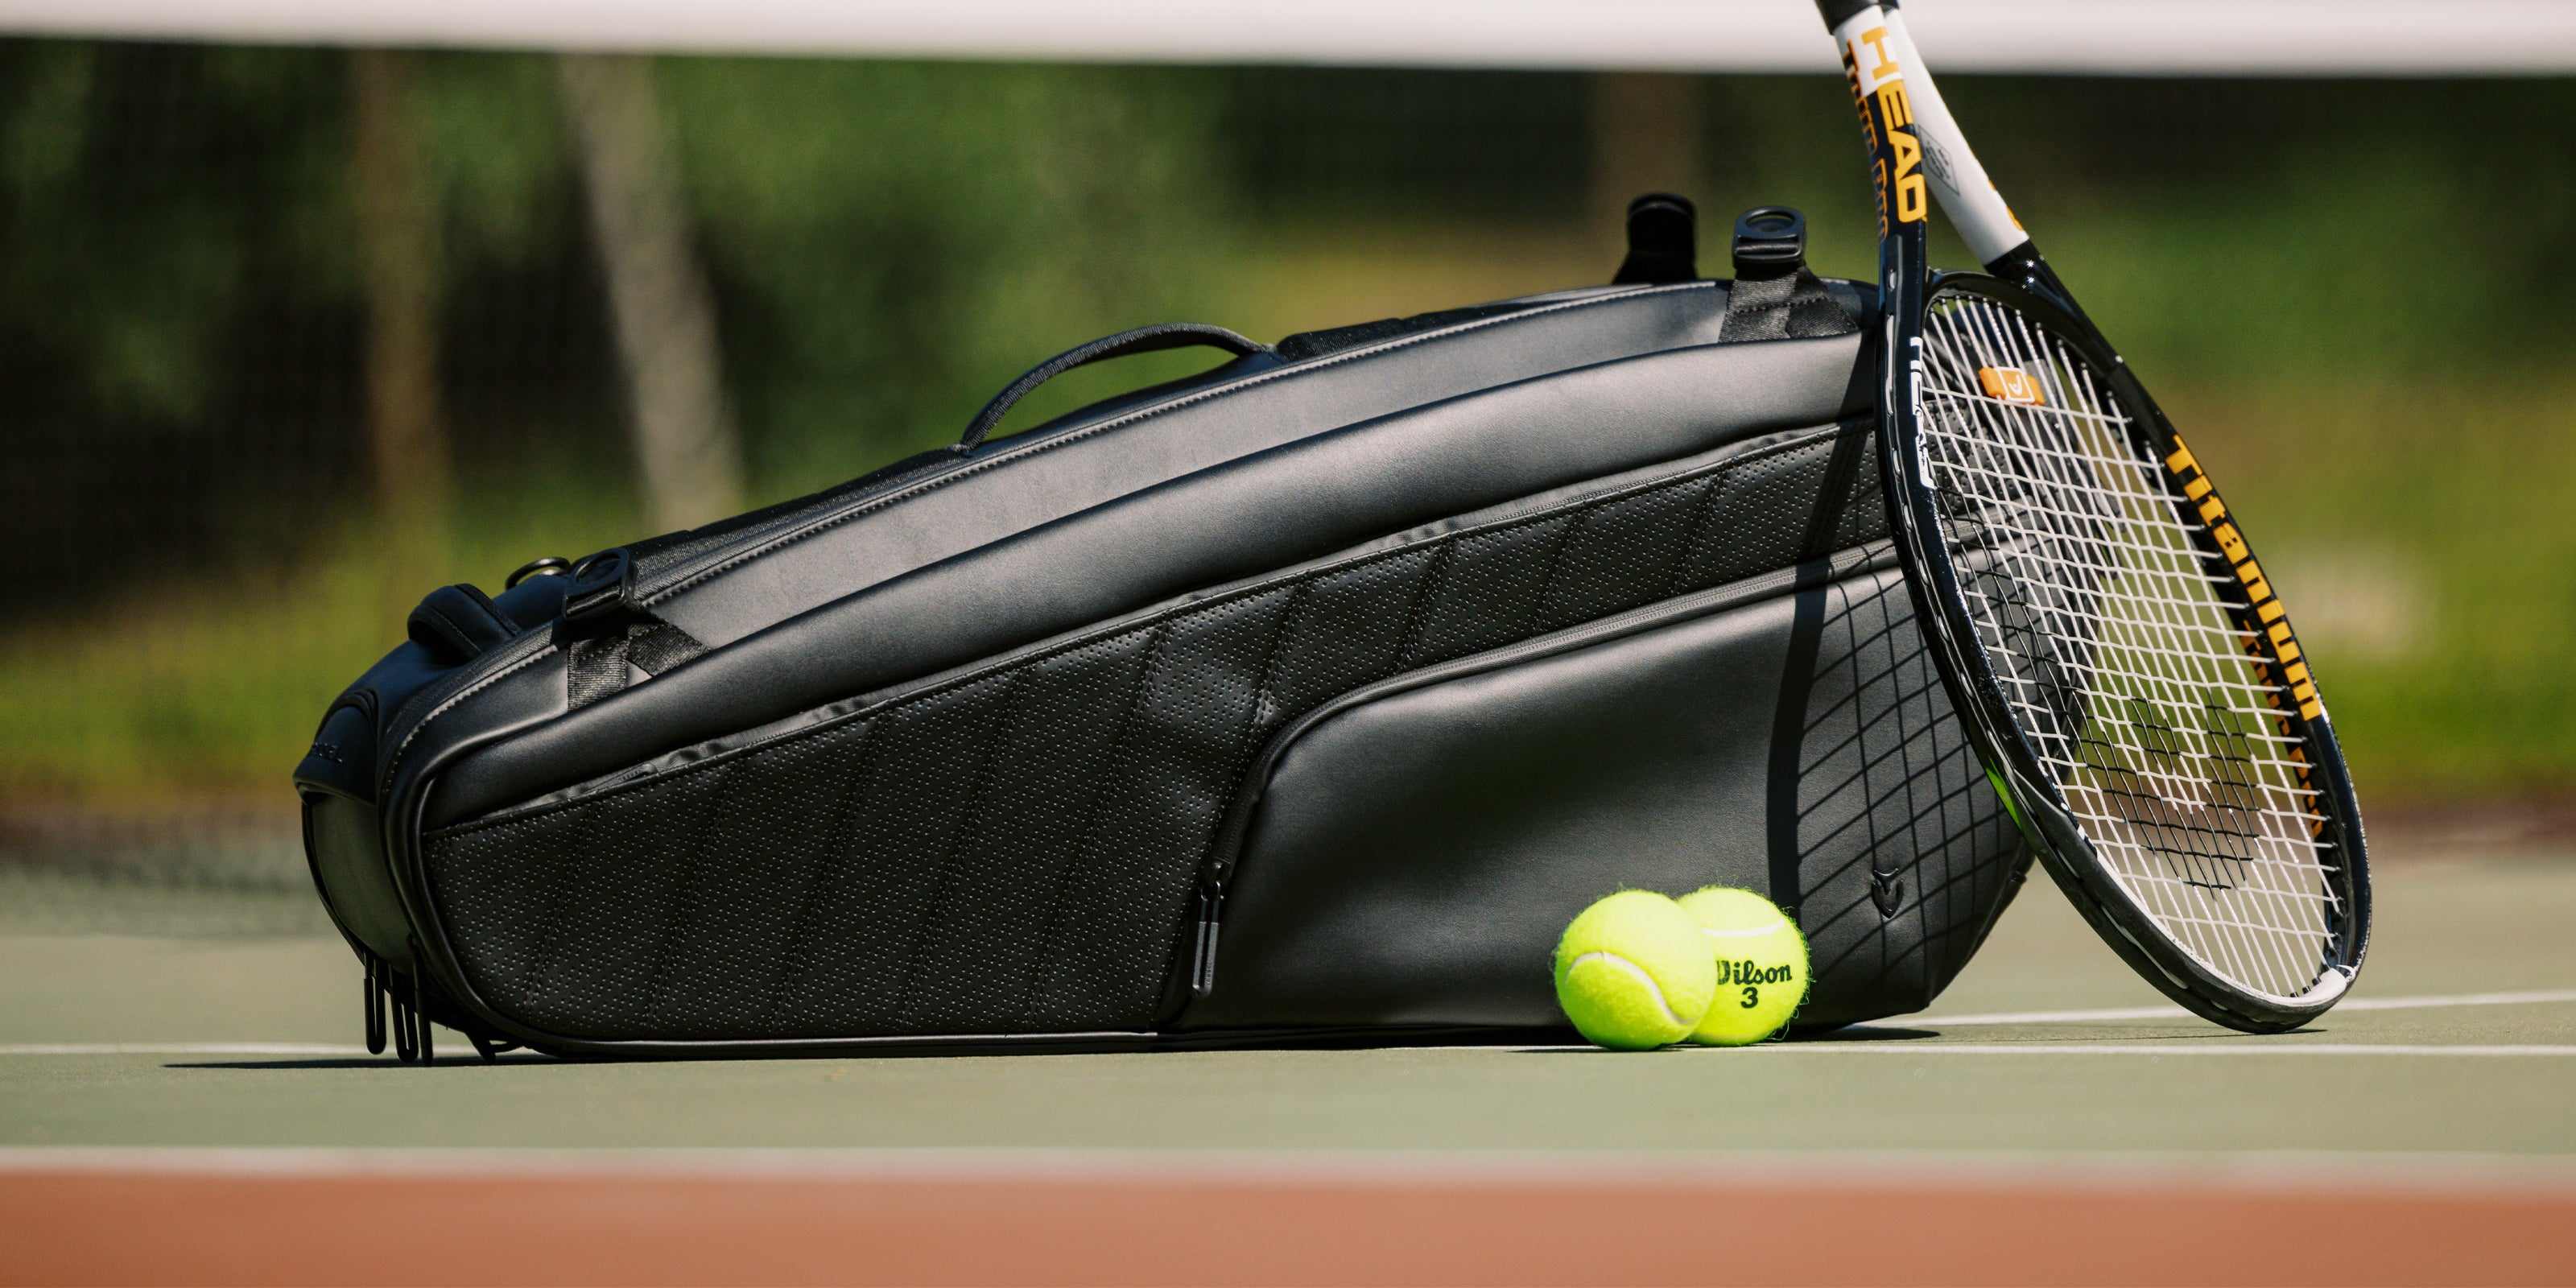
(2117, 654)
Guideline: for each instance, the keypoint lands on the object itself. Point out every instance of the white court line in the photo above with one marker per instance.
(1967, 1048)
(2174, 1048)
(2177, 1048)
(2180, 1047)
(2177, 1013)
(178, 1048)
(2235, 1171)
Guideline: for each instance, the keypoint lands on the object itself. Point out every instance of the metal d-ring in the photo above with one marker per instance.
(550, 566)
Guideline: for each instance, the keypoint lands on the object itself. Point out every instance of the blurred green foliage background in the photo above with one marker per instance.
(2350, 294)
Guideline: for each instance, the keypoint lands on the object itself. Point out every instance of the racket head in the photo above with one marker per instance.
(2120, 661)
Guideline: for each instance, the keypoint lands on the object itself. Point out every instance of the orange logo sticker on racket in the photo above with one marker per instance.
(2012, 385)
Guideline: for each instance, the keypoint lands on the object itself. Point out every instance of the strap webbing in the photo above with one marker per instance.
(1790, 306)
(598, 664)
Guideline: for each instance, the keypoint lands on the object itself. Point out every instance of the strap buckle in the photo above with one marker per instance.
(1770, 241)
(602, 585)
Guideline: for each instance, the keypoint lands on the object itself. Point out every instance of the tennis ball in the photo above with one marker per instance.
(1634, 972)
(1761, 962)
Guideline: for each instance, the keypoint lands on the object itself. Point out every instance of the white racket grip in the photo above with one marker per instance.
(1959, 183)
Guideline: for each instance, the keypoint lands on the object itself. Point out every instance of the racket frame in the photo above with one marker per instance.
(2029, 791)
(1904, 128)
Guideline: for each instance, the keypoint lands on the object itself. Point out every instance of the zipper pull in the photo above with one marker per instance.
(375, 1003)
(1211, 908)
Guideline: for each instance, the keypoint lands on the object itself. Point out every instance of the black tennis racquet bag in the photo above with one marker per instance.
(1304, 699)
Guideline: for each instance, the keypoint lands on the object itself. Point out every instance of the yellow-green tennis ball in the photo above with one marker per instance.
(1634, 972)
(1761, 962)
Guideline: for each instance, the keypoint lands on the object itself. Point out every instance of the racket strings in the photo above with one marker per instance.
(2111, 638)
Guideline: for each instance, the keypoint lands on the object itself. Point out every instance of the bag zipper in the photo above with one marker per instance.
(1208, 904)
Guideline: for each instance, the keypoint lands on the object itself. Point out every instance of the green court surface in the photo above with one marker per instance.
(2460, 1041)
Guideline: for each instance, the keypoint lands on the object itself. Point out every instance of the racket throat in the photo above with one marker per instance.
(2025, 267)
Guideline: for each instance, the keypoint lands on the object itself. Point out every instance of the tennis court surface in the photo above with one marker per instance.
(184, 1101)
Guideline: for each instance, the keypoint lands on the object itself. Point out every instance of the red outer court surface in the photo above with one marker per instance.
(381, 1222)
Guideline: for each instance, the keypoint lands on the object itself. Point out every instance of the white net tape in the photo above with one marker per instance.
(2116, 654)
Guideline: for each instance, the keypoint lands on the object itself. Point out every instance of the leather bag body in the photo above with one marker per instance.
(1304, 699)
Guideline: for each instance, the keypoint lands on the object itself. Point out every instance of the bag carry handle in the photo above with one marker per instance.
(1144, 339)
